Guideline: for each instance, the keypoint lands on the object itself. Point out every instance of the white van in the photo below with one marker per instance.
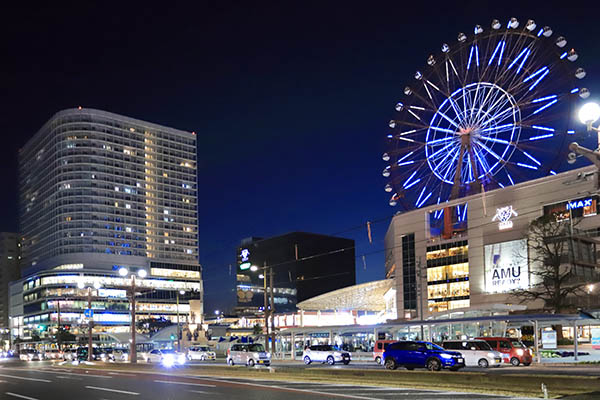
(248, 354)
(477, 353)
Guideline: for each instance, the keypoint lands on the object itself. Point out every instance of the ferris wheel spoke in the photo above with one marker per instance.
(487, 149)
(451, 163)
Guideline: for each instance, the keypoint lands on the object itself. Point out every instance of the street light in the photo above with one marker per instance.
(180, 292)
(142, 273)
(96, 285)
(588, 114)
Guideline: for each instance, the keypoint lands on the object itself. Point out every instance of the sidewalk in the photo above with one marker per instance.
(594, 355)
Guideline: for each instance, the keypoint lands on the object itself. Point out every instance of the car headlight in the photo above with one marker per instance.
(445, 355)
(181, 359)
(168, 360)
(520, 352)
(491, 355)
(268, 354)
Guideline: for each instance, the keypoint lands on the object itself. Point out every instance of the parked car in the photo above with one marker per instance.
(201, 353)
(477, 353)
(378, 349)
(53, 354)
(325, 353)
(69, 354)
(418, 354)
(107, 354)
(248, 354)
(513, 351)
(121, 354)
(82, 354)
(165, 357)
(31, 355)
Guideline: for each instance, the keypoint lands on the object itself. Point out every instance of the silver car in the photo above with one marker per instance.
(248, 354)
(325, 353)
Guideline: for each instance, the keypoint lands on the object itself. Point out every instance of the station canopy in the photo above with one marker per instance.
(363, 297)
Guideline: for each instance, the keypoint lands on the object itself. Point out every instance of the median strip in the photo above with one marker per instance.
(112, 390)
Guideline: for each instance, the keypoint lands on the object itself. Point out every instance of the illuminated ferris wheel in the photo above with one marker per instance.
(492, 110)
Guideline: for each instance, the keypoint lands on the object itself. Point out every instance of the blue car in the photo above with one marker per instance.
(417, 354)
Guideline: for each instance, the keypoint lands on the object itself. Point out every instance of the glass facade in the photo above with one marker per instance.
(448, 276)
(96, 182)
(409, 279)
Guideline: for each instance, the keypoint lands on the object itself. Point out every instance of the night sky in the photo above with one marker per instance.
(290, 101)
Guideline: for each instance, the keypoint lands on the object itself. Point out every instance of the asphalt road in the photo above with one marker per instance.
(39, 381)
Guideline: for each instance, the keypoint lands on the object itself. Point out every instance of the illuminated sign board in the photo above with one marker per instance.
(503, 216)
(245, 259)
(579, 204)
(506, 266)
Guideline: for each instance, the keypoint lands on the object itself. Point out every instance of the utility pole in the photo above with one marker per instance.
(272, 311)
(91, 326)
(420, 296)
(58, 336)
(132, 348)
(178, 340)
(266, 306)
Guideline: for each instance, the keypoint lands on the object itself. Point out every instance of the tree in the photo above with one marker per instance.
(257, 329)
(555, 253)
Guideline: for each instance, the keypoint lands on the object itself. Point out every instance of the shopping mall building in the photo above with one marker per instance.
(107, 209)
(469, 254)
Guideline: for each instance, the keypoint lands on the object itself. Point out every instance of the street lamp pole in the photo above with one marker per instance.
(132, 349)
(266, 306)
(91, 325)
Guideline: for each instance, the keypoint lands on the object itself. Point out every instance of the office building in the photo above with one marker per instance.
(103, 197)
(9, 270)
(304, 265)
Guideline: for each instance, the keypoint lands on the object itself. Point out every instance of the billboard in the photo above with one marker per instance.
(506, 266)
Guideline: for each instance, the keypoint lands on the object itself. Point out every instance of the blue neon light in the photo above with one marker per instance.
(390, 136)
(575, 90)
(495, 140)
(563, 55)
(501, 53)
(571, 132)
(458, 211)
(425, 199)
(497, 128)
(413, 184)
(541, 137)
(406, 156)
(464, 216)
(539, 80)
(544, 98)
(470, 57)
(409, 178)
(517, 58)
(536, 73)
(435, 128)
(494, 53)
(441, 149)
(419, 199)
(543, 128)
(531, 158)
(542, 108)
(501, 185)
(523, 62)
(540, 32)
(477, 54)
(552, 172)
(526, 166)
(510, 178)
(442, 139)
(406, 163)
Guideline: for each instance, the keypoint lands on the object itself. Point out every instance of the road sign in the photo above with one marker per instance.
(89, 313)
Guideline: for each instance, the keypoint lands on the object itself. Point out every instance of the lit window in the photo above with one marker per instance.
(116, 204)
(116, 188)
(127, 205)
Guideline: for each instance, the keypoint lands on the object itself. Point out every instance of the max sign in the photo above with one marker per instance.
(579, 204)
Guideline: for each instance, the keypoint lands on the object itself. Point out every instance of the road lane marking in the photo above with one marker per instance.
(185, 383)
(201, 392)
(63, 372)
(119, 374)
(112, 390)
(20, 396)
(26, 379)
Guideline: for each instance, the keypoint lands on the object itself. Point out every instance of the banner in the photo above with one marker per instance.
(506, 266)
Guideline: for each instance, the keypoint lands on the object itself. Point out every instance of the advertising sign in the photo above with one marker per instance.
(506, 266)
(549, 339)
(595, 331)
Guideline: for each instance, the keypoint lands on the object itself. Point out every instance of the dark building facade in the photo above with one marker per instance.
(304, 265)
(10, 257)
